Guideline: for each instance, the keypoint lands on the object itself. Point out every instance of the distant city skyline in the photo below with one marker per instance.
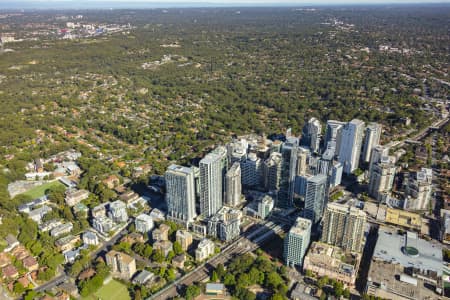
(84, 4)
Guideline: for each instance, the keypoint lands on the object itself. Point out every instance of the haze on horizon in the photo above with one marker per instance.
(57, 4)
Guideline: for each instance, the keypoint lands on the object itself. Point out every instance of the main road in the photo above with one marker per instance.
(420, 135)
(53, 283)
(248, 242)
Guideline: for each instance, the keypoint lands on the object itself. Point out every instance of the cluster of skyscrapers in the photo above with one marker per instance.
(289, 168)
(290, 173)
(320, 162)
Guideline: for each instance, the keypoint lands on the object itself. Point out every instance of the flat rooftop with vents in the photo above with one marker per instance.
(408, 250)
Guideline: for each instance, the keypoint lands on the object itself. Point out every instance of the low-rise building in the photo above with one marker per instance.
(71, 168)
(133, 238)
(143, 277)
(103, 225)
(75, 196)
(67, 243)
(162, 233)
(112, 181)
(49, 225)
(70, 288)
(404, 266)
(199, 229)
(185, 239)
(10, 272)
(157, 215)
(225, 224)
(178, 261)
(90, 238)
(215, 289)
(164, 246)
(403, 218)
(4, 259)
(265, 206)
(61, 229)
(27, 207)
(38, 213)
(99, 211)
(20, 252)
(80, 209)
(11, 242)
(37, 176)
(67, 182)
(303, 292)
(30, 263)
(326, 260)
(143, 223)
(24, 208)
(129, 197)
(121, 264)
(204, 250)
(118, 211)
(24, 281)
(71, 255)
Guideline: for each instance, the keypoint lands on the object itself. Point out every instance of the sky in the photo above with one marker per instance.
(237, 1)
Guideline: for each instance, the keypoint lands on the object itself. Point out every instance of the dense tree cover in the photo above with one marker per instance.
(268, 69)
(262, 70)
(192, 291)
(143, 249)
(244, 271)
(446, 254)
(92, 284)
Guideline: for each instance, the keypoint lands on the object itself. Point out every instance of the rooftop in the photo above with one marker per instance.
(144, 217)
(214, 286)
(391, 279)
(328, 154)
(66, 240)
(204, 243)
(235, 169)
(29, 261)
(183, 233)
(179, 169)
(76, 193)
(124, 257)
(303, 292)
(179, 259)
(11, 240)
(210, 158)
(390, 247)
(227, 214)
(334, 258)
(346, 208)
(89, 235)
(319, 178)
(357, 122)
(301, 225)
(143, 277)
(117, 205)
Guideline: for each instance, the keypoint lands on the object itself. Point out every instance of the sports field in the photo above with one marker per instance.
(112, 290)
(39, 191)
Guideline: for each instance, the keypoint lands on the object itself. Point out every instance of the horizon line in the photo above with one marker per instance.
(139, 4)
